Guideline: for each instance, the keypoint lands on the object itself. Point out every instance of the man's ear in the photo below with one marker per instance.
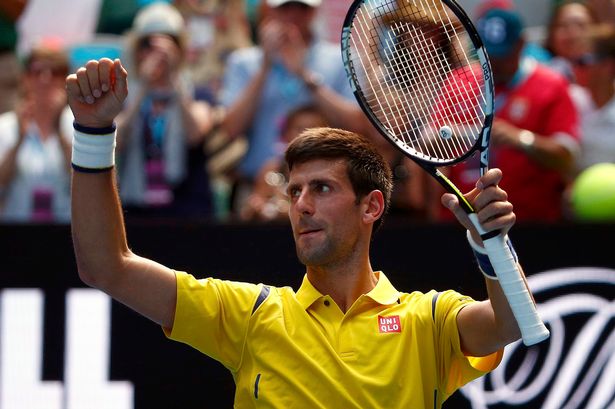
(373, 206)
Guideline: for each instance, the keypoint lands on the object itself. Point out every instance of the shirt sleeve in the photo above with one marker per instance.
(66, 125)
(8, 132)
(237, 77)
(212, 316)
(458, 369)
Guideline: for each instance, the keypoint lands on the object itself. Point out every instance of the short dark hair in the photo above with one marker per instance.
(367, 169)
(603, 37)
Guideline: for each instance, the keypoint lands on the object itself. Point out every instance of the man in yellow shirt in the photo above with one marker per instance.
(347, 338)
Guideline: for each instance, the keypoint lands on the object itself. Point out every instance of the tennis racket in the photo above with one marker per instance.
(420, 73)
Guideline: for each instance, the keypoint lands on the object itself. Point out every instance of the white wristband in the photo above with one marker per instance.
(93, 150)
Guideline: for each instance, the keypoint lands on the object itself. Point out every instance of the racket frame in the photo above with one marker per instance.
(532, 328)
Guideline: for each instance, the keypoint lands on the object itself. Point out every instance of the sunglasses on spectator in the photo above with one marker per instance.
(296, 4)
(38, 69)
(147, 42)
(589, 59)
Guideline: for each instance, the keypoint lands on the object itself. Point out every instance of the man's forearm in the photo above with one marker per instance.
(98, 230)
(240, 114)
(339, 111)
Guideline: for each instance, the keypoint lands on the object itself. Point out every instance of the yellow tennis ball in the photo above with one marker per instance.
(593, 193)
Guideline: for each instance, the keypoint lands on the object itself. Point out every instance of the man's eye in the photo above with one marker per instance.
(323, 188)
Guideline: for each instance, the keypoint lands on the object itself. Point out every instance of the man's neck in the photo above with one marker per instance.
(343, 284)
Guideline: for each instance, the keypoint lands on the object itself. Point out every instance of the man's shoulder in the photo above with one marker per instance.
(326, 46)
(246, 55)
(324, 51)
(434, 297)
(417, 299)
(545, 75)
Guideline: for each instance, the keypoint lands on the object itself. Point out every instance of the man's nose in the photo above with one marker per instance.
(305, 203)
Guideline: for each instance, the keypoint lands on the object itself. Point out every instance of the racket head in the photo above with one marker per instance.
(421, 74)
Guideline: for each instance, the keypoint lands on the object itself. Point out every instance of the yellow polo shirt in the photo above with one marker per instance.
(298, 350)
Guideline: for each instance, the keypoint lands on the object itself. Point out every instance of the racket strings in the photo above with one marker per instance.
(450, 30)
(377, 97)
(417, 75)
(476, 110)
(422, 89)
(429, 83)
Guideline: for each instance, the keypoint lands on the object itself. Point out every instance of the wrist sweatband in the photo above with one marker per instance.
(484, 264)
(93, 148)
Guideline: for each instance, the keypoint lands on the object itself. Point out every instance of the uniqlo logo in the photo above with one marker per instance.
(389, 324)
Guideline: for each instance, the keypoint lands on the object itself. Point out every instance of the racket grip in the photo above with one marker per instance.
(532, 328)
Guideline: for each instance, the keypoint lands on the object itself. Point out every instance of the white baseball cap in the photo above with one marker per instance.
(159, 18)
(278, 3)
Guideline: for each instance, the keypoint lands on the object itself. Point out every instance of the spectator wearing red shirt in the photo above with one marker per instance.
(534, 139)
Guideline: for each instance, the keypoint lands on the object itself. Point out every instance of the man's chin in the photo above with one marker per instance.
(307, 257)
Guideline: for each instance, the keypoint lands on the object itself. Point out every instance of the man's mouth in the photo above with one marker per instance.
(306, 232)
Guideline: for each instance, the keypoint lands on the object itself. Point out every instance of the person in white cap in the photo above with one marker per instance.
(288, 69)
(162, 128)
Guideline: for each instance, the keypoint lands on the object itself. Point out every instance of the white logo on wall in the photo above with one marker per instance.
(575, 368)
(86, 365)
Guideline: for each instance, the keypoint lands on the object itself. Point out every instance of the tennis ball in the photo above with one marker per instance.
(446, 132)
(593, 193)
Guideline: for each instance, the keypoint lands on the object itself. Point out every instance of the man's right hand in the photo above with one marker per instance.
(96, 92)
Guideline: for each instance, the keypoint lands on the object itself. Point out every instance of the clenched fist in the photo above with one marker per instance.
(96, 92)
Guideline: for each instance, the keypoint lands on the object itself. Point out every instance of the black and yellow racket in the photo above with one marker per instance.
(420, 73)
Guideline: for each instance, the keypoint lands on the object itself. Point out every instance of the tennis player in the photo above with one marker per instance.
(347, 338)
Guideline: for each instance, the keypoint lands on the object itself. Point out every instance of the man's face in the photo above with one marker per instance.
(324, 214)
(569, 38)
(296, 14)
(44, 74)
(46, 82)
(505, 67)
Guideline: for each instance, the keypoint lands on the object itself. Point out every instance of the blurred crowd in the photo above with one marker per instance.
(219, 87)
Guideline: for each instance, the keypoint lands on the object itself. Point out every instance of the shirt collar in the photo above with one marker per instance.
(383, 293)
(307, 294)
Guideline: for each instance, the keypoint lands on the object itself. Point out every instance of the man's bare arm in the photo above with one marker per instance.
(103, 258)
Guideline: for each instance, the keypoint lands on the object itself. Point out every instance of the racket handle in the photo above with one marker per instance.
(532, 328)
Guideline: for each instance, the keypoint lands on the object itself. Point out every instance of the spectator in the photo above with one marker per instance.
(534, 138)
(216, 28)
(289, 68)
(568, 39)
(268, 200)
(162, 129)
(10, 10)
(598, 123)
(35, 142)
